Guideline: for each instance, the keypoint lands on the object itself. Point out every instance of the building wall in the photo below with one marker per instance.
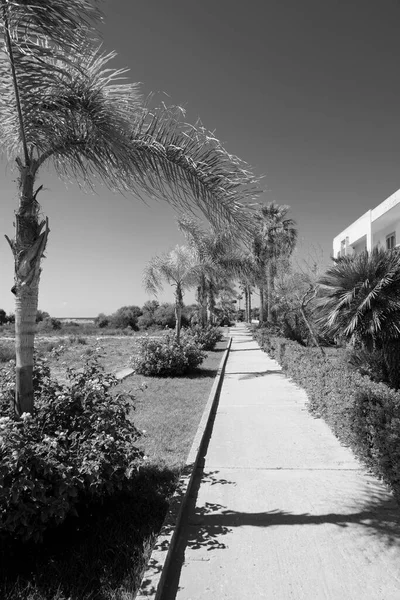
(360, 247)
(356, 232)
(371, 228)
(379, 237)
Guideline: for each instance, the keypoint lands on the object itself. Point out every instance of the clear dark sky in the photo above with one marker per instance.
(307, 92)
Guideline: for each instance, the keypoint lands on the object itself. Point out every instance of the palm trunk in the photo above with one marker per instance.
(28, 247)
(270, 287)
(202, 300)
(262, 307)
(249, 301)
(178, 312)
(246, 304)
(210, 304)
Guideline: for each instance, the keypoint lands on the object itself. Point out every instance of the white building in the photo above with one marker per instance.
(379, 226)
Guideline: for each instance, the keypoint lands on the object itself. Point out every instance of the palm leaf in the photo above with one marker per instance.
(80, 114)
(180, 267)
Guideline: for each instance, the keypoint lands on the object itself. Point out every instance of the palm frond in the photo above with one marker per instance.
(67, 24)
(80, 114)
(182, 163)
(180, 267)
(360, 295)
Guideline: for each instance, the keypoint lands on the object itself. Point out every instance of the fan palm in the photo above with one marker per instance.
(181, 269)
(61, 103)
(360, 296)
(274, 241)
(359, 300)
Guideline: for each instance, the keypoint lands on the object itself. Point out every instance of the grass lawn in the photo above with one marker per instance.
(101, 554)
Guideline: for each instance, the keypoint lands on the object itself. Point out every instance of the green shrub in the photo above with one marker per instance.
(205, 337)
(363, 414)
(77, 448)
(165, 357)
(102, 320)
(41, 315)
(7, 352)
(126, 316)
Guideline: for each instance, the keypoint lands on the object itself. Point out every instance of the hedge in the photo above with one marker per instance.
(364, 415)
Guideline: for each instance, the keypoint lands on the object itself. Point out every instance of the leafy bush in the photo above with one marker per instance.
(205, 337)
(7, 352)
(126, 316)
(55, 323)
(49, 324)
(165, 357)
(363, 414)
(367, 362)
(102, 320)
(77, 448)
(146, 321)
(41, 315)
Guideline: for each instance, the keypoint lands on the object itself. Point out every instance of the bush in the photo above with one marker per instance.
(55, 323)
(102, 320)
(7, 352)
(49, 324)
(41, 315)
(205, 337)
(363, 414)
(77, 448)
(165, 357)
(146, 321)
(126, 316)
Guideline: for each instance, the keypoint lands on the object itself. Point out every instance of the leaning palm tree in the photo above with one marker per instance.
(359, 300)
(180, 268)
(62, 104)
(274, 242)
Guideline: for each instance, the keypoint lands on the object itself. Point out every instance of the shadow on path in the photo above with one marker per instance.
(205, 527)
(254, 374)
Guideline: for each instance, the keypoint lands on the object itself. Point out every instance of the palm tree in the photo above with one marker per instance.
(62, 104)
(359, 300)
(219, 259)
(180, 268)
(274, 242)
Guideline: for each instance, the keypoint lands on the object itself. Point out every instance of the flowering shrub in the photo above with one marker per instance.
(165, 357)
(205, 337)
(77, 447)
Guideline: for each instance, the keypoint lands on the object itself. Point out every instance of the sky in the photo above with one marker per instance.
(307, 93)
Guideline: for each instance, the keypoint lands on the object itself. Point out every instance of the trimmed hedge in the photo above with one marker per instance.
(363, 414)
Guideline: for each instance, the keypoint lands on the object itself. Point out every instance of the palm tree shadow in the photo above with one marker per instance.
(254, 374)
(205, 527)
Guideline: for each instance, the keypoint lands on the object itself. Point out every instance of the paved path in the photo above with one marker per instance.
(283, 511)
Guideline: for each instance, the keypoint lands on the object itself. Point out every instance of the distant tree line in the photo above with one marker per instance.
(152, 315)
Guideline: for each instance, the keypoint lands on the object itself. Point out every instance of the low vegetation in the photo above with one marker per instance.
(166, 357)
(79, 446)
(363, 414)
(96, 535)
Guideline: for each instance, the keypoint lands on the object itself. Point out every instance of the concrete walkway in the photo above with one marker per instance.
(282, 510)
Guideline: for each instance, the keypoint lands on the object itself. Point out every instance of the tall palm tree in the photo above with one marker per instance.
(274, 242)
(180, 268)
(61, 103)
(359, 300)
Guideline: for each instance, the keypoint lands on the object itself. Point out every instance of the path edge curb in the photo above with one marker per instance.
(155, 574)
